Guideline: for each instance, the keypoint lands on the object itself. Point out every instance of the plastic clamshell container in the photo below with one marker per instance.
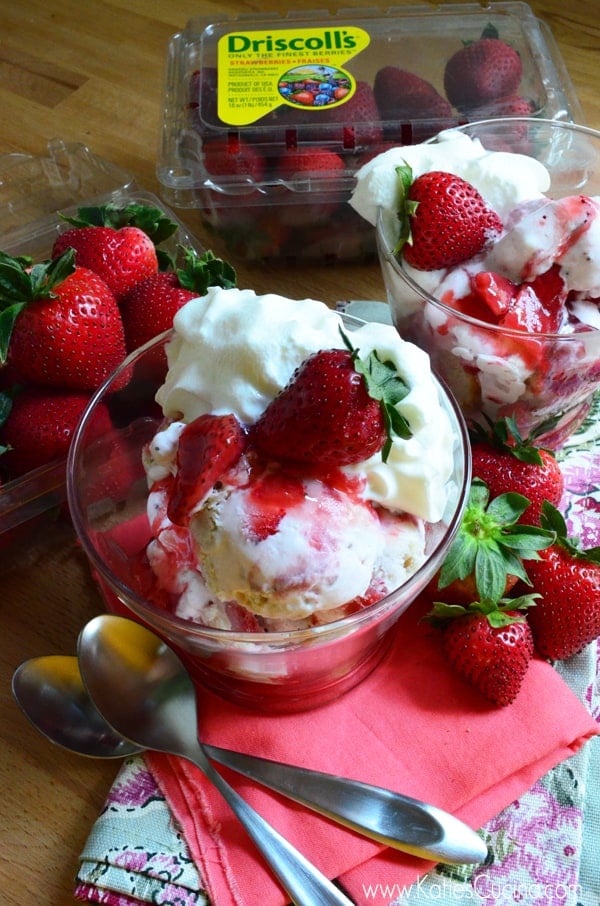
(242, 94)
(33, 190)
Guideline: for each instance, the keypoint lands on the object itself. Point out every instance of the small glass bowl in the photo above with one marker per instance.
(269, 671)
(540, 379)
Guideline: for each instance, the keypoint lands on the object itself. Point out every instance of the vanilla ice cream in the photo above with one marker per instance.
(269, 547)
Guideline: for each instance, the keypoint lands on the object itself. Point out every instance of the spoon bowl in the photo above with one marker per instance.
(51, 692)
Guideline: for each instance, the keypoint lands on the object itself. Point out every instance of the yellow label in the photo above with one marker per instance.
(302, 67)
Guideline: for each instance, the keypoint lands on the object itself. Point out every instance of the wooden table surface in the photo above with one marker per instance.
(92, 72)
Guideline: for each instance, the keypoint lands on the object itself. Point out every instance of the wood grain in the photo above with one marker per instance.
(92, 72)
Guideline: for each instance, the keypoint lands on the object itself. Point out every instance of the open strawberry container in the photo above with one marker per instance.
(33, 190)
(267, 120)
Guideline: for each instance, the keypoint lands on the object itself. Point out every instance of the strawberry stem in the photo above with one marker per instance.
(491, 544)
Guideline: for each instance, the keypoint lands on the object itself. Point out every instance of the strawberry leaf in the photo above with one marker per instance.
(553, 520)
(406, 208)
(504, 435)
(383, 384)
(151, 220)
(20, 284)
(198, 272)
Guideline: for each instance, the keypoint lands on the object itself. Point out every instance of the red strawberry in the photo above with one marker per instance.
(296, 163)
(490, 646)
(208, 446)
(481, 72)
(233, 157)
(358, 118)
(411, 108)
(353, 126)
(150, 307)
(117, 243)
(335, 410)
(567, 616)
(65, 330)
(40, 426)
(295, 166)
(511, 105)
(505, 460)
(485, 559)
(444, 220)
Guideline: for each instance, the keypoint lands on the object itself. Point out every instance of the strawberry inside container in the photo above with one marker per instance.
(266, 121)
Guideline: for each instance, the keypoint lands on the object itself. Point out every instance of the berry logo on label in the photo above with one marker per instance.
(260, 70)
(316, 86)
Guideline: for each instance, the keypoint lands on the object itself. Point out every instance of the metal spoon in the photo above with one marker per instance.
(51, 693)
(141, 688)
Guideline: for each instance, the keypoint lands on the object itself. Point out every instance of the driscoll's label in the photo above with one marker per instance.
(304, 67)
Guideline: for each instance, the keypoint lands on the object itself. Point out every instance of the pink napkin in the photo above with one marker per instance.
(412, 726)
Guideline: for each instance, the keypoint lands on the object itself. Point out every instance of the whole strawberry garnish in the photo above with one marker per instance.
(505, 460)
(336, 409)
(489, 645)
(485, 559)
(150, 307)
(207, 447)
(116, 242)
(40, 426)
(60, 325)
(443, 219)
(567, 616)
(482, 71)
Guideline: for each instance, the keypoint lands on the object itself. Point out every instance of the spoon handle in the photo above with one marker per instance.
(390, 818)
(303, 882)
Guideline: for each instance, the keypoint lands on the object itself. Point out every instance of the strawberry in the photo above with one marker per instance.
(567, 617)
(117, 243)
(336, 409)
(510, 105)
(297, 165)
(40, 426)
(489, 645)
(410, 107)
(233, 157)
(444, 220)
(150, 307)
(485, 559)
(356, 122)
(482, 71)
(502, 458)
(208, 446)
(353, 126)
(60, 325)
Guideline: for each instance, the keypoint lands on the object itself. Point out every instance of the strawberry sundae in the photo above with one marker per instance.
(494, 268)
(298, 468)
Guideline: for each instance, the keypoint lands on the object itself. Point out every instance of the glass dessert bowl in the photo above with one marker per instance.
(268, 659)
(544, 377)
